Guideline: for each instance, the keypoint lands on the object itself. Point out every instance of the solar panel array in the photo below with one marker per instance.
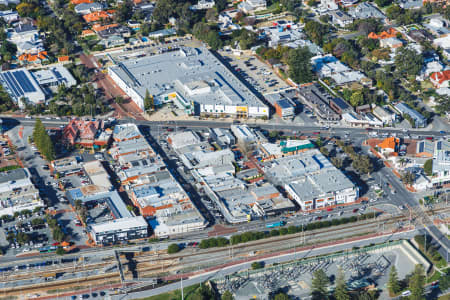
(18, 83)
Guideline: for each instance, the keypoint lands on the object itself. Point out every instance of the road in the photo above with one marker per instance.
(339, 131)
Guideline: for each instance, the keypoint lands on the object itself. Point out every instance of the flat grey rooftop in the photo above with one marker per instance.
(194, 73)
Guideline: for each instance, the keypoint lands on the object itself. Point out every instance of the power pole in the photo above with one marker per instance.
(182, 293)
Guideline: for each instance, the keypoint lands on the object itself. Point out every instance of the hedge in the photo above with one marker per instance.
(258, 235)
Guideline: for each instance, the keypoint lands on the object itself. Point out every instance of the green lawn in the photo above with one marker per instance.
(175, 295)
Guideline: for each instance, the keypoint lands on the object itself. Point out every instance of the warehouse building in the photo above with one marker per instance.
(21, 85)
(193, 79)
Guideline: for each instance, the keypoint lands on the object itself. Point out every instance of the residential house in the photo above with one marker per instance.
(203, 4)
(438, 27)
(340, 18)
(113, 41)
(328, 5)
(390, 33)
(97, 16)
(110, 31)
(87, 8)
(440, 79)
(365, 10)
(411, 4)
(9, 16)
(76, 2)
(250, 6)
(392, 43)
(8, 2)
(33, 59)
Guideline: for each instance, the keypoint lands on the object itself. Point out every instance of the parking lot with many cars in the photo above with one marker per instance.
(255, 72)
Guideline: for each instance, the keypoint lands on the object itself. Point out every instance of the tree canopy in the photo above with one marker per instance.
(43, 141)
(408, 62)
(319, 285)
(299, 61)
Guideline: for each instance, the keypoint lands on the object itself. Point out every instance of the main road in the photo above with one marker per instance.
(337, 131)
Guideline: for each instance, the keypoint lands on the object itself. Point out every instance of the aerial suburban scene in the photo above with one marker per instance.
(225, 149)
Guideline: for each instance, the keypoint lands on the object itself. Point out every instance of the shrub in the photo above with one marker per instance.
(173, 248)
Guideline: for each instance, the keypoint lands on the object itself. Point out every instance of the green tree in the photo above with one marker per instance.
(357, 99)
(408, 62)
(362, 164)
(408, 177)
(417, 283)
(341, 293)
(300, 69)
(393, 283)
(221, 5)
(227, 295)
(43, 141)
(60, 251)
(148, 101)
(428, 167)
(316, 31)
(281, 296)
(319, 285)
(213, 40)
(383, 3)
(58, 234)
(337, 162)
(324, 151)
(173, 248)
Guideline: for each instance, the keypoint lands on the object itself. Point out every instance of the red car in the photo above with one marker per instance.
(316, 132)
(429, 138)
(355, 210)
(329, 209)
(55, 244)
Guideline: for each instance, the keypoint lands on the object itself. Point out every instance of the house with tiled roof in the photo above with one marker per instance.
(389, 145)
(87, 32)
(440, 79)
(98, 27)
(98, 16)
(85, 133)
(390, 33)
(76, 2)
(38, 58)
(63, 59)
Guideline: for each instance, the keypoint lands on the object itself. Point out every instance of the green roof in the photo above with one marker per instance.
(301, 147)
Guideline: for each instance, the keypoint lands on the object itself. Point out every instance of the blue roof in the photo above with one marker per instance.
(404, 108)
(341, 103)
(284, 103)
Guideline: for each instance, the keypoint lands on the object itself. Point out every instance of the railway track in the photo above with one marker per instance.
(195, 258)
